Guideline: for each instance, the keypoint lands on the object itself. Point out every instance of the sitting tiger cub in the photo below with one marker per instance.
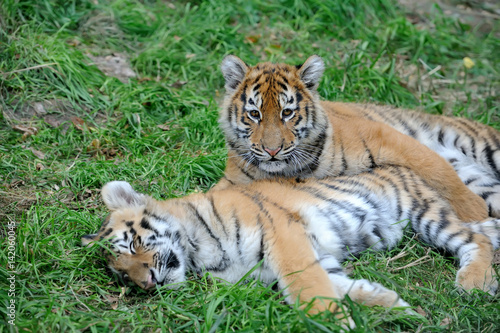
(276, 126)
(299, 232)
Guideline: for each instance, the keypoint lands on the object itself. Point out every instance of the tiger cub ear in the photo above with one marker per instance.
(311, 71)
(88, 239)
(234, 71)
(119, 194)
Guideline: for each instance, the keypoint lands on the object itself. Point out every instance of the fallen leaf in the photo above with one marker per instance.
(445, 322)
(349, 268)
(468, 63)
(37, 153)
(177, 38)
(420, 311)
(95, 144)
(39, 109)
(177, 84)
(164, 127)
(27, 131)
(111, 299)
(253, 38)
(16, 183)
(78, 122)
(137, 118)
(73, 42)
(109, 152)
(52, 121)
(123, 290)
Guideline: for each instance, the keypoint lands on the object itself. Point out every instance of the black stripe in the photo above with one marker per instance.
(370, 155)
(238, 236)
(282, 85)
(204, 224)
(486, 195)
(260, 256)
(246, 173)
(243, 96)
(441, 136)
(216, 214)
(106, 233)
(410, 131)
(470, 180)
(229, 180)
(146, 225)
(224, 262)
(443, 223)
(491, 161)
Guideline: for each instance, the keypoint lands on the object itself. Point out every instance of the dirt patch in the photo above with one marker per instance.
(483, 15)
(54, 112)
(114, 65)
(422, 78)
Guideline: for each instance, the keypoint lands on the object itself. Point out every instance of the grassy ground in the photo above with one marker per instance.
(67, 128)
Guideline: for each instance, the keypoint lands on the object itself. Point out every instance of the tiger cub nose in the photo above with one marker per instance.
(151, 281)
(272, 152)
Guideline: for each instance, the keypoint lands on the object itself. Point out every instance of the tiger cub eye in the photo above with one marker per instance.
(286, 113)
(254, 114)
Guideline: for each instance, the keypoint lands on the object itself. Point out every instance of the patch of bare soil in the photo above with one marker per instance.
(16, 198)
(114, 65)
(24, 117)
(423, 78)
(480, 14)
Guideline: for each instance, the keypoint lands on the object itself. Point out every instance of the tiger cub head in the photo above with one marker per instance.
(271, 116)
(145, 247)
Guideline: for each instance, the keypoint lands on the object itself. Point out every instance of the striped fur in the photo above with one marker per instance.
(300, 231)
(276, 126)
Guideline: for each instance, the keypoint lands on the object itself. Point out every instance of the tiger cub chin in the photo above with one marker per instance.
(299, 233)
(276, 126)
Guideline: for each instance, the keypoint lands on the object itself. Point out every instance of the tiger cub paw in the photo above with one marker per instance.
(473, 277)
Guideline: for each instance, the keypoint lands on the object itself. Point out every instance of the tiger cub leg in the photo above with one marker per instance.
(293, 259)
(360, 291)
(472, 244)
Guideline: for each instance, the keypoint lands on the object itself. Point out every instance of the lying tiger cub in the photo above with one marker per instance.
(300, 231)
(276, 125)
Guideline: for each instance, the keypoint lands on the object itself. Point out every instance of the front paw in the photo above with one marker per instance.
(474, 277)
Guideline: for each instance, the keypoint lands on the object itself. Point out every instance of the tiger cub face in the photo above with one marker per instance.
(271, 115)
(145, 248)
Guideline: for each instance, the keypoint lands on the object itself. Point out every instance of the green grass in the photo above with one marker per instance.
(49, 182)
